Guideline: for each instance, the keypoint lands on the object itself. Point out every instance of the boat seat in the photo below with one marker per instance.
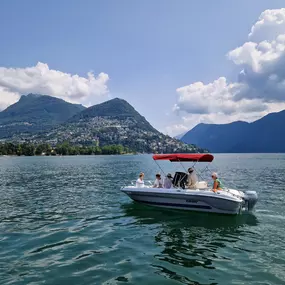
(201, 185)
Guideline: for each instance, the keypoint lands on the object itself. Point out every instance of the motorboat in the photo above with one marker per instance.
(200, 198)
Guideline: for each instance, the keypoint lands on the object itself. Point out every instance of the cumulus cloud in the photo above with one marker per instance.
(190, 120)
(270, 24)
(263, 71)
(260, 85)
(215, 97)
(176, 129)
(7, 98)
(41, 79)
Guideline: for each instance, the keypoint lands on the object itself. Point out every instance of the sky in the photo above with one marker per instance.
(179, 63)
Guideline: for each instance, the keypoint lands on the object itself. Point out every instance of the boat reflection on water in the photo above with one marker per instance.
(151, 215)
(192, 240)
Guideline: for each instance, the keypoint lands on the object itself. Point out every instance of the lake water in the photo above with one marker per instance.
(63, 221)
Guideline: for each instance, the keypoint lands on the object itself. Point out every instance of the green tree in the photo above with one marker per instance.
(19, 150)
(28, 149)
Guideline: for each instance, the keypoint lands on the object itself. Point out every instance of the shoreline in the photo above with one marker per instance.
(58, 155)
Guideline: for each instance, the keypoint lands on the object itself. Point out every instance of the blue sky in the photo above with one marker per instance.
(147, 48)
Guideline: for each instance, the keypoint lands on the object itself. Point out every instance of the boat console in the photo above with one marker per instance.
(180, 180)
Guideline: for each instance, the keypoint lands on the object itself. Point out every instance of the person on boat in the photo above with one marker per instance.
(140, 182)
(217, 183)
(167, 183)
(192, 179)
(158, 181)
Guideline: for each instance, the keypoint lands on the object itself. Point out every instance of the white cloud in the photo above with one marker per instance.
(41, 79)
(7, 98)
(176, 129)
(263, 69)
(260, 86)
(270, 24)
(189, 121)
(216, 97)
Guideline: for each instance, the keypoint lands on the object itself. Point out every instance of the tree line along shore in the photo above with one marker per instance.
(29, 149)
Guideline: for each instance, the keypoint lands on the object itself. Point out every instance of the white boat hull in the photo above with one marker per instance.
(192, 200)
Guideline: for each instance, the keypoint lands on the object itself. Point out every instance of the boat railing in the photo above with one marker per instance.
(146, 182)
(228, 190)
(149, 183)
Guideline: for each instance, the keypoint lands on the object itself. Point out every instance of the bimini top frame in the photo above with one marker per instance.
(186, 157)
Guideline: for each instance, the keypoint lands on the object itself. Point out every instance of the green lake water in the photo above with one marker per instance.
(63, 220)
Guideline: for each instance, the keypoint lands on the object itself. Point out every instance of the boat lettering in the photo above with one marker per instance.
(191, 201)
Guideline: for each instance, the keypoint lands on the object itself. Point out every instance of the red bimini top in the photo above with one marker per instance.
(198, 157)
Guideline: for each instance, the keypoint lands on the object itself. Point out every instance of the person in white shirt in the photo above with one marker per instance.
(192, 179)
(167, 183)
(158, 181)
(140, 182)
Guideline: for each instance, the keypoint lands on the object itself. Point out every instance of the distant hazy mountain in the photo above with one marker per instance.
(264, 135)
(35, 112)
(180, 136)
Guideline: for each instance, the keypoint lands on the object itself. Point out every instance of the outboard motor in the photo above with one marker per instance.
(250, 198)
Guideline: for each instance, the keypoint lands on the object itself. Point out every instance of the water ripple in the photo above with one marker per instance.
(63, 221)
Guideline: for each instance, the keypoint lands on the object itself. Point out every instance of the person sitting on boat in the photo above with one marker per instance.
(140, 182)
(192, 179)
(158, 181)
(167, 183)
(217, 183)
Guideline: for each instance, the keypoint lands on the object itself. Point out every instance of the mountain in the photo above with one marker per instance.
(45, 119)
(180, 136)
(33, 113)
(118, 109)
(113, 122)
(264, 135)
